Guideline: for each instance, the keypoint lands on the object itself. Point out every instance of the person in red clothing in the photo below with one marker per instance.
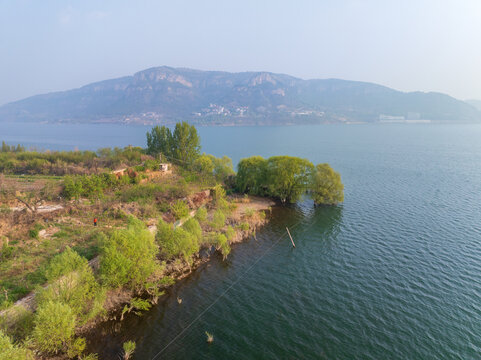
(95, 221)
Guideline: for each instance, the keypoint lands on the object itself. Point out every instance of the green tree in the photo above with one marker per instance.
(203, 165)
(326, 186)
(252, 175)
(185, 143)
(72, 188)
(176, 242)
(129, 256)
(223, 167)
(72, 282)
(5, 147)
(288, 177)
(54, 327)
(159, 141)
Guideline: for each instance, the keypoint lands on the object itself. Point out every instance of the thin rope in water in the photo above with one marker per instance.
(226, 290)
(231, 285)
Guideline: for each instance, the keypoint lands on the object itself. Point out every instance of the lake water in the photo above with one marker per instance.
(392, 273)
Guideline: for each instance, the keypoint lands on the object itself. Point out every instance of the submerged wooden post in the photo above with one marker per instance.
(293, 245)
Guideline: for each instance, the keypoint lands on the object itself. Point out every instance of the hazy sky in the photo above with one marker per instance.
(408, 45)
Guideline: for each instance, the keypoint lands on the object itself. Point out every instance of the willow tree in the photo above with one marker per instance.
(326, 186)
(288, 177)
(251, 175)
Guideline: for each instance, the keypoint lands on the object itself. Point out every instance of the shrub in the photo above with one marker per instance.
(193, 226)
(244, 226)
(9, 351)
(148, 210)
(71, 282)
(71, 189)
(128, 256)
(179, 190)
(222, 244)
(176, 242)
(76, 348)
(141, 192)
(33, 233)
(129, 348)
(137, 305)
(7, 251)
(223, 168)
(218, 219)
(229, 233)
(164, 232)
(87, 185)
(151, 164)
(166, 281)
(18, 322)
(90, 357)
(54, 326)
(218, 196)
(163, 207)
(184, 243)
(179, 209)
(201, 214)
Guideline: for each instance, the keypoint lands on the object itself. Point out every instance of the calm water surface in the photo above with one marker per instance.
(393, 273)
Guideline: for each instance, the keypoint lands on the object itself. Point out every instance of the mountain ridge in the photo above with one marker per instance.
(474, 102)
(164, 95)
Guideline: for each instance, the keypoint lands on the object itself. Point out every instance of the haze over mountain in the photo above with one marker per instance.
(165, 95)
(474, 102)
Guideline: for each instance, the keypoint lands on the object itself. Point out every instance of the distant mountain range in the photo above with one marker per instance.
(475, 103)
(164, 95)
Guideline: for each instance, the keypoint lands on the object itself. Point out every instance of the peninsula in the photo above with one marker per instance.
(90, 236)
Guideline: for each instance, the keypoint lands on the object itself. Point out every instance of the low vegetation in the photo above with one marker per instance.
(17, 160)
(11, 351)
(54, 327)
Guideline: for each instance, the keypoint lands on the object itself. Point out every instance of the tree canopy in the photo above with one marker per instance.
(159, 141)
(185, 143)
(326, 186)
(182, 145)
(251, 175)
(287, 178)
